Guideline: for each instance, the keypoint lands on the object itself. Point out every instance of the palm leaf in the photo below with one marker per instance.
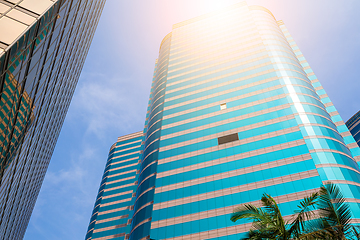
(304, 214)
(334, 210)
(249, 211)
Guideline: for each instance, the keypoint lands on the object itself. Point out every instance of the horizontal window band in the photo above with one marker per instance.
(222, 160)
(324, 165)
(109, 228)
(227, 210)
(208, 77)
(329, 150)
(266, 74)
(188, 51)
(235, 65)
(210, 67)
(234, 143)
(290, 53)
(119, 187)
(129, 143)
(130, 136)
(125, 149)
(235, 119)
(122, 173)
(107, 237)
(113, 210)
(115, 202)
(325, 137)
(352, 126)
(122, 167)
(267, 80)
(345, 182)
(214, 56)
(117, 194)
(299, 141)
(114, 163)
(237, 189)
(120, 180)
(318, 125)
(112, 219)
(124, 155)
(257, 113)
(233, 173)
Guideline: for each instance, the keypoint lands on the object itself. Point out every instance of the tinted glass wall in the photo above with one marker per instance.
(38, 76)
(354, 126)
(115, 201)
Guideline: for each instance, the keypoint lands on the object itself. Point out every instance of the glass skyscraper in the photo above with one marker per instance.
(43, 46)
(115, 200)
(354, 126)
(235, 111)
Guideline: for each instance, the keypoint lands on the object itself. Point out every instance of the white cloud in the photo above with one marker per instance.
(106, 104)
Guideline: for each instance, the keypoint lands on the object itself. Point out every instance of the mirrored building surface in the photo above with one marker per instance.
(235, 111)
(354, 126)
(43, 46)
(115, 201)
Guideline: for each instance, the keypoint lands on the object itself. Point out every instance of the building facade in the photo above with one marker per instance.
(115, 200)
(43, 46)
(354, 126)
(235, 111)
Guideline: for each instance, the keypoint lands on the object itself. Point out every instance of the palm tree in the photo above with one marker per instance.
(268, 223)
(331, 221)
(334, 216)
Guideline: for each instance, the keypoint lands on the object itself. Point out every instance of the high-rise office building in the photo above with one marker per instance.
(115, 200)
(43, 46)
(354, 126)
(235, 111)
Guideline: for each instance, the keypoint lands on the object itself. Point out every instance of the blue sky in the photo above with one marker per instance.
(112, 93)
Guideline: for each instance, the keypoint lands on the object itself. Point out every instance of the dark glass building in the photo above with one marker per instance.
(354, 126)
(43, 46)
(235, 111)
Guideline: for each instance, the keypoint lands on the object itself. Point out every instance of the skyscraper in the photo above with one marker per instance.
(235, 111)
(354, 126)
(43, 46)
(115, 200)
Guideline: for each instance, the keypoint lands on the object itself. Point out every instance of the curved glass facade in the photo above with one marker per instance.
(140, 225)
(235, 111)
(114, 203)
(43, 46)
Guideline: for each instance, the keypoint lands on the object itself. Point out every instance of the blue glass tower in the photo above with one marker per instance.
(115, 200)
(235, 111)
(354, 126)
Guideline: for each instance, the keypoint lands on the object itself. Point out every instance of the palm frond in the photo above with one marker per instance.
(248, 211)
(334, 209)
(273, 210)
(304, 214)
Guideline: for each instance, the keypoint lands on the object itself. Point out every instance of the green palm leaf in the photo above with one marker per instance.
(303, 215)
(334, 211)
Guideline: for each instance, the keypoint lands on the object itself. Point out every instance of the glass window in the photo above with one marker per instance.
(222, 106)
